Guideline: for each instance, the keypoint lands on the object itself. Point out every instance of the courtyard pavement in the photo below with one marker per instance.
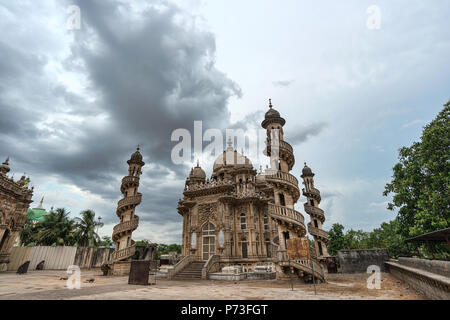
(45, 285)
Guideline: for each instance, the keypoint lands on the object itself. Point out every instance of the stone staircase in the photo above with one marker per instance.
(193, 271)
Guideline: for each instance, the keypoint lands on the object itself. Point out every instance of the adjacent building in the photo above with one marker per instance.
(15, 198)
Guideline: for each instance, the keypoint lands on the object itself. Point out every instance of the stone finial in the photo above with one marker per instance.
(41, 202)
(270, 103)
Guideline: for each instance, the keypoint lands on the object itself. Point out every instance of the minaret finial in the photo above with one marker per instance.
(41, 203)
(270, 103)
(305, 163)
(138, 147)
(198, 164)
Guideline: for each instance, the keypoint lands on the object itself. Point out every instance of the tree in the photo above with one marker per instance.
(85, 229)
(27, 234)
(336, 237)
(162, 248)
(56, 229)
(421, 180)
(106, 242)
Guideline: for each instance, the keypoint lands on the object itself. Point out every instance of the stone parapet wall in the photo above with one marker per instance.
(435, 266)
(433, 286)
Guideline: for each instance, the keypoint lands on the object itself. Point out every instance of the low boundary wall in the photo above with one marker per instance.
(58, 258)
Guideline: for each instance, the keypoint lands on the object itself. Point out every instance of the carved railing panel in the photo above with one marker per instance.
(287, 213)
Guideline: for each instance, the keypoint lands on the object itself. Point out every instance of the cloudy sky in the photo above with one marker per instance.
(74, 103)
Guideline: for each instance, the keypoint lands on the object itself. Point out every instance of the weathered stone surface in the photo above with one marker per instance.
(435, 266)
(359, 260)
(432, 285)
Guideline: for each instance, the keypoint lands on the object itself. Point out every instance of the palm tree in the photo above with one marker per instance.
(57, 228)
(85, 226)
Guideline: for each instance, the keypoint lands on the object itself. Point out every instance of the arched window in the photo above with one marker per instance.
(266, 222)
(243, 221)
(221, 238)
(194, 240)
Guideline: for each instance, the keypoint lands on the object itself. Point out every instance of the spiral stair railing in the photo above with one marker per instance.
(315, 212)
(319, 233)
(288, 215)
(124, 227)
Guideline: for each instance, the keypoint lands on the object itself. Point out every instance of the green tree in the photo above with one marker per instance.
(389, 237)
(56, 229)
(336, 237)
(421, 180)
(106, 242)
(28, 234)
(85, 229)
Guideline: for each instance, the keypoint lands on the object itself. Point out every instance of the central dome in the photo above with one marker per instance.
(231, 159)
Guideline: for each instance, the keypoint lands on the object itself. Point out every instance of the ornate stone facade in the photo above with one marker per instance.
(15, 198)
(239, 216)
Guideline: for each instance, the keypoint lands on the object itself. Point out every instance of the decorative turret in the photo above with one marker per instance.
(316, 214)
(196, 175)
(125, 247)
(4, 168)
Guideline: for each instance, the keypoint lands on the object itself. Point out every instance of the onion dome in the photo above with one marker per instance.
(197, 173)
(307, 172)
(4, 168)
(230, 158)
(136, 158)
(272, 116)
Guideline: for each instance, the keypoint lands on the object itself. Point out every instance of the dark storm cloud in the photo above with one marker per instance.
(304, 133)
(149, 74)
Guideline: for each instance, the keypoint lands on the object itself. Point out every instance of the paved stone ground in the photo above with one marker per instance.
(43, 285)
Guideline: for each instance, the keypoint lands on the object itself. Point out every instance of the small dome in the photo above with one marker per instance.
(272, 113)
(307, 172)
(197, 173)
(272, 116)
(136, 158)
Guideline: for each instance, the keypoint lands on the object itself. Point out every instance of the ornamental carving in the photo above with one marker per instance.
(207, 211)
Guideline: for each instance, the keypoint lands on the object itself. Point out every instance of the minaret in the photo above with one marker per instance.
(122, 232)
(316, 214)
(285, 185)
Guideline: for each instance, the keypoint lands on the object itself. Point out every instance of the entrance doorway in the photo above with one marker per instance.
(209, 240)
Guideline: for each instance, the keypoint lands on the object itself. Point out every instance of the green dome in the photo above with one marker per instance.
(36, 214)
